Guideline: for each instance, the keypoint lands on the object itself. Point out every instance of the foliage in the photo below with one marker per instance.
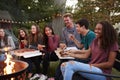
(69, 9)
(23, 10)
(117, 28)
(97, 10)
(12, 7)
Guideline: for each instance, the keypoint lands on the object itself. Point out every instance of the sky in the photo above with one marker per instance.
(71, 2)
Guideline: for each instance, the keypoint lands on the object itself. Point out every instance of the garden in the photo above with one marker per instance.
(18, 14)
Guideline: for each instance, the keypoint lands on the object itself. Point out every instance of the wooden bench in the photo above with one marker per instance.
(76, 76)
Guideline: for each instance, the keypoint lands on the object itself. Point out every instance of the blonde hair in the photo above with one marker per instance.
(68, 15)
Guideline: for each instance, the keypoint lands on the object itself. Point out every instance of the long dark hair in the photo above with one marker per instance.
(45, 37)
(5, 39)
(26, 35)
(34, 38)
(109, 35)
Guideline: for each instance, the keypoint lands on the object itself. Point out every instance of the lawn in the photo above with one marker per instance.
(53, 66)
(114, 71)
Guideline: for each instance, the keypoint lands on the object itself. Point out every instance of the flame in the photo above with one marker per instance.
(7, 48)
(9, 64)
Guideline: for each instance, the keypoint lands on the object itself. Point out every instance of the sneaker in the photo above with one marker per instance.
(35, 76)
(42, 77)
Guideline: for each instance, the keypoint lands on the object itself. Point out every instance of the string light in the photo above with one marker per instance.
(28, 22)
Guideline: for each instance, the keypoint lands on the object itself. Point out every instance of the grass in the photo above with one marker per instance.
(53, 66)
(115, 72)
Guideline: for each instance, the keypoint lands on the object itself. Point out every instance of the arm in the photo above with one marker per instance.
(62, 46)
(53, 42)
(79, 45)
(109, 63)
(11, 42)
(40, 43)
(81, 54)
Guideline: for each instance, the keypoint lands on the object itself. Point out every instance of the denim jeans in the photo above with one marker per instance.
(70, 68)
(58, 73)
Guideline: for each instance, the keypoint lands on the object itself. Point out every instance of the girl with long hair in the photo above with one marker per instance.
(51, 41)
(23, 38)
(5, 40)
(35, 40)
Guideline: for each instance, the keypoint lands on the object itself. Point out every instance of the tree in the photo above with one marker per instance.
(39, 11)
(12, 7)
(96, 10)
(24, 10)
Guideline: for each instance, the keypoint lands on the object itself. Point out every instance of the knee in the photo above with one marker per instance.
(63, 64)
(67, 64)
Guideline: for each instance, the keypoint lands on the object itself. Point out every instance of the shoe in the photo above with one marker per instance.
(35, 76)
(42, 77)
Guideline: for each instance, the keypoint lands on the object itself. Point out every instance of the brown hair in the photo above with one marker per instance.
(5, 39)
(34, 38)
(26, 35)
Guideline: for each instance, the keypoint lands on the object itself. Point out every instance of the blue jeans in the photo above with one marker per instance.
(70, 68)
(2, 57)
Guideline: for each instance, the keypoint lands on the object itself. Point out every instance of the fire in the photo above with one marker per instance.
(7, 49)
(9, 64)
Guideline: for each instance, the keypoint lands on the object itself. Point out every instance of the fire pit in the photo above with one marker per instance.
(19, 73)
